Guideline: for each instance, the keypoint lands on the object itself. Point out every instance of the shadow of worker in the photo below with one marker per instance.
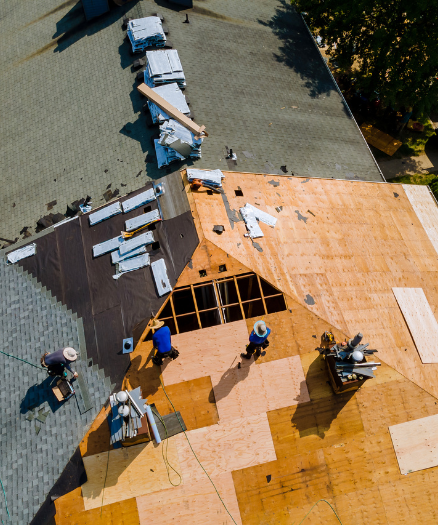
(231, 377)
(39, 394)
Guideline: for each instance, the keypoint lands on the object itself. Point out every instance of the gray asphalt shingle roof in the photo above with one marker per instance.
(38, 434)
(72, 121)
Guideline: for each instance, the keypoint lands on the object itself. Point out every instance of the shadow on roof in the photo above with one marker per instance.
(298, 51)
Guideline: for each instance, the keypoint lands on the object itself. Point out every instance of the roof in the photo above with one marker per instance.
(273, 457)
(249, 86)
(112, 310)
(39, 435)
(62, 296)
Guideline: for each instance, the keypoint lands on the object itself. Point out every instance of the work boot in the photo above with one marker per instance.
(258, 352)
(157, 361)
(245, 356)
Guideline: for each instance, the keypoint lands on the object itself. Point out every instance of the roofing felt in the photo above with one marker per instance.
(39, 435)
(254, 78)
(111, 310)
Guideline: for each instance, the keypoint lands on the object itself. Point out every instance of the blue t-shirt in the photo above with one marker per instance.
(161, 340)
(256, 339)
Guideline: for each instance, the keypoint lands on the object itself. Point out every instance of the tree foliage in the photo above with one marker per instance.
(393, 43)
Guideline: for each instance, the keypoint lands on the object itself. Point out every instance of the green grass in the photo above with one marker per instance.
(414, 142)
(419, 178)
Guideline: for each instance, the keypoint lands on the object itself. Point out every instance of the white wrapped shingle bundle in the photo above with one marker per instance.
(146, 32)
(166, 156)
(172, 94)
(212, 177)
(176, 136)
(164, 67)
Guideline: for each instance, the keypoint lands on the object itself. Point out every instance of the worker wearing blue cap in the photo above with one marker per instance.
(258, 339)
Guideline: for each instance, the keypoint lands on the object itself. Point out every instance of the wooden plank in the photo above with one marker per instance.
(209, 257)
(276, 384)
(68, 505)
(420, 320)
(194, 503)
(426, 210)
(129, 472)
(380, 140)
(123, 513)
(416, 444)
(205, 351)
(198, 131)
(226, 447)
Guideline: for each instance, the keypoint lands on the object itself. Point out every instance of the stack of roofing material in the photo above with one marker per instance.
(164, 67)
(212, 177)
(252, 215)
(146, 32)
(166, 156)
(171, 94)
(174, 135)
(123, 427)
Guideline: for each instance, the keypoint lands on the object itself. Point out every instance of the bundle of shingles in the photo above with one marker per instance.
(252, 216)
(164, 67)
(129, 251)
(176, 143)
(171, 94)
(146, 32)
(126, 426)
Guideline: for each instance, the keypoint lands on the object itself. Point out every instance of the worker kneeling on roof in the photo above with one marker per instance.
(57, 363)
(258, 339)
(162, 343)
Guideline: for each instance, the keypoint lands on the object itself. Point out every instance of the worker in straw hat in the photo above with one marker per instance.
(162, 342)
(258, 339)
(57, 362)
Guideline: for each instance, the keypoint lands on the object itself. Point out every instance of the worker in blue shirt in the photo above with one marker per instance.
(162, 343)
(258, 339)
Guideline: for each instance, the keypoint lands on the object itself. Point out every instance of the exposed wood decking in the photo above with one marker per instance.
(271, 465)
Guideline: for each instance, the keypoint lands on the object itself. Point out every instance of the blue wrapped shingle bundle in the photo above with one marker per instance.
(164, 67)
(176, 136)
(166, 156)
(172, 94)
(146, 32)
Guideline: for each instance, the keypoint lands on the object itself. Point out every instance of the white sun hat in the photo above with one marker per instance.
(70, 353)
(260, 328)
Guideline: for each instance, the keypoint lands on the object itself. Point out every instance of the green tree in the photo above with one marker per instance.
(393, 44)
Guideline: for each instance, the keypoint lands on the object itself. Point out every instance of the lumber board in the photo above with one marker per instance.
(426, 209)
(416, 443)
(420, 320)
(198, 131)
(205, 351)
(193, 503)
(274, 385)
(209, 257)
(122, 513)
(129, 472)
(68, 505)
(380, 140)
(226, 447)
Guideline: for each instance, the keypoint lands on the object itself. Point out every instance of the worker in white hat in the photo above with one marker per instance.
(258, 339)
(58, 361)
(161, 339)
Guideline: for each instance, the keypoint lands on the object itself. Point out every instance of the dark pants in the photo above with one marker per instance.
(252, 347)
(158, 358)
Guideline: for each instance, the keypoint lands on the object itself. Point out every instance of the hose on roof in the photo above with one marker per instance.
(194, 453)
(24, 360)
(6, 501)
